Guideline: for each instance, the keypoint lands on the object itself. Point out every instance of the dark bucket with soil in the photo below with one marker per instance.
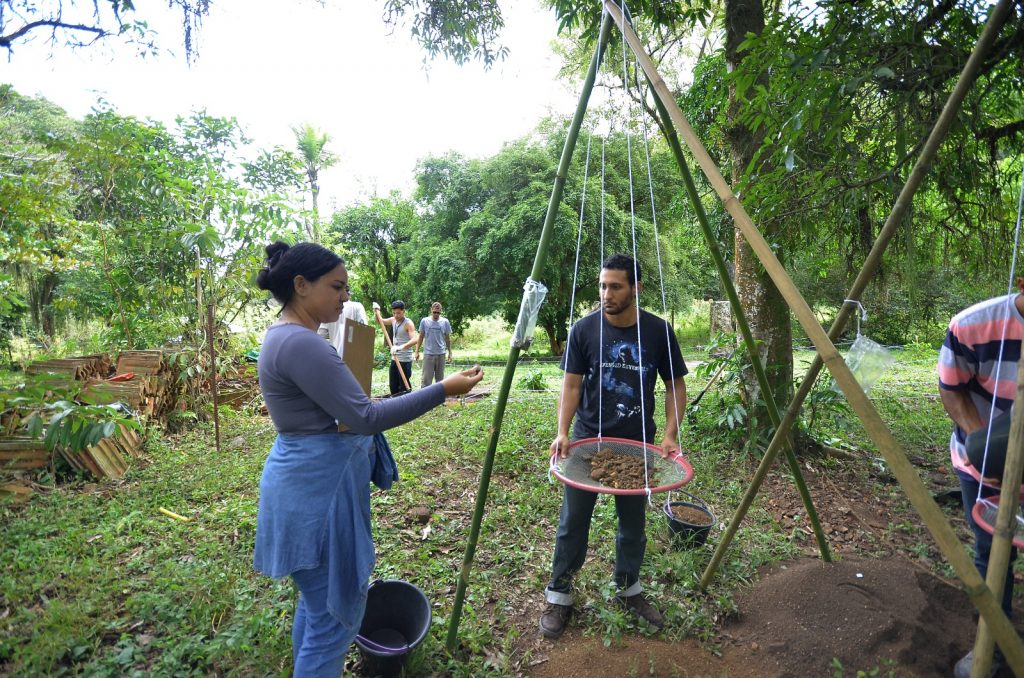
(396, 620)
(689, 521)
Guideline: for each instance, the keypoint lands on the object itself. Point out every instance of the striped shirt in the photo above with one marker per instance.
(975, 359)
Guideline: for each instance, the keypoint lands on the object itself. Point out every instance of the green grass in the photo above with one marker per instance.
(95, 580)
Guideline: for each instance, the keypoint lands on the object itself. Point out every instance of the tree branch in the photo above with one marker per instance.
(7, 40)
(995, 133)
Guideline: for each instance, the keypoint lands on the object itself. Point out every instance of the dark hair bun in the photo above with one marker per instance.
(274, 253)
(285, 262)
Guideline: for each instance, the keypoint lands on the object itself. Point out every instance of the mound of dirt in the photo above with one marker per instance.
(804, 618)
(809, 618)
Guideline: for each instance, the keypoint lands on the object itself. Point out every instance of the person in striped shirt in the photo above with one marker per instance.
(978, 374)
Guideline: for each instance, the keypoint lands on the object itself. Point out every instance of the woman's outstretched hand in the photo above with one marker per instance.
(462, 382)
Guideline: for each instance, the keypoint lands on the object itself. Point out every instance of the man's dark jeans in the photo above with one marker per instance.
(395, 377)
(982, 539)
(573, 535)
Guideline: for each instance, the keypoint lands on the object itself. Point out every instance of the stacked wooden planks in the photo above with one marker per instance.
(109, 457)
(18, 453)
(138, 393)
(144, 380)
(78, 368)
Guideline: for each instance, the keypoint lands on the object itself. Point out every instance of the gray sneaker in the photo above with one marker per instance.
(963, 667)
(640, 607)
(554, 619)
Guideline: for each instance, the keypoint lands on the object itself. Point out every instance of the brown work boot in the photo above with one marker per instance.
(640, 607)
(553, 620)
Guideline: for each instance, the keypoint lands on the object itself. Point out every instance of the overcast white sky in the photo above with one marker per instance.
(336, 67)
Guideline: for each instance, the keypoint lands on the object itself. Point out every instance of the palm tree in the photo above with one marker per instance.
(311, 143)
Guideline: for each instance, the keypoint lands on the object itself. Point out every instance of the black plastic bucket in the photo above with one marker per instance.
(396, 620)
(689, 533)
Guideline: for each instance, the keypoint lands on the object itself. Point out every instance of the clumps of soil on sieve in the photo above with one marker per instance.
(621, 471)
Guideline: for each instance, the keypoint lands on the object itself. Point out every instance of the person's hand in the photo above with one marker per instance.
(449, 361)
(669, 446)
(416, 356)
(394, 350)
(376, 307)
(462, 382)
(560, 446)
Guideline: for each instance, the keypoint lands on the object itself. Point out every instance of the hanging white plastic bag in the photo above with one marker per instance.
(868, 360)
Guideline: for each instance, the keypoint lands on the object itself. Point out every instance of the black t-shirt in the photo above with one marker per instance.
(607, 356)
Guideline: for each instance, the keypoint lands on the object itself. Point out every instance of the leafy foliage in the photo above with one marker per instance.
(849, 93)
(144, 222)
(44, 408)
(458, 29)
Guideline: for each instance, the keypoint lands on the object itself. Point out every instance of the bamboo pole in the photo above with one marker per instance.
(513, 355)
(394, 358)
(1006, 523)
(211, 333)
(871, 265)
(879, 433)
(744, 327)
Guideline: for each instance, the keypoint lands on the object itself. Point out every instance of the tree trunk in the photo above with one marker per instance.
(556, 344)
(41, 300)
(766, 311)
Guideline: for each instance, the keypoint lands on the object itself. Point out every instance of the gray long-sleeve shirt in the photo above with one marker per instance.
(309, 389)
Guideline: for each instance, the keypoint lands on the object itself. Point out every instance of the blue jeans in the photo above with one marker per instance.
(573, 535)
(982, 539)
(319, 641)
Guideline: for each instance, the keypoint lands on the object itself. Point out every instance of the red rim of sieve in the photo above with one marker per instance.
(984, 514)
(573, 476)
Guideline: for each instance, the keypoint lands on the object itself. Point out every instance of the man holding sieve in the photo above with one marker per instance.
(611, 362)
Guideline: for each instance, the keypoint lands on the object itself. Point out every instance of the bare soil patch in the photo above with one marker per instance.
(881, 605)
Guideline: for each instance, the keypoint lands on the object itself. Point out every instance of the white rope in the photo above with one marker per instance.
(575, 273)
(600, 325)
(661, 278)
(636, 283)
(1010, 297)
(863, 315)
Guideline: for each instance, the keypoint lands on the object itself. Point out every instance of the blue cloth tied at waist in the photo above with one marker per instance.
(314, 507)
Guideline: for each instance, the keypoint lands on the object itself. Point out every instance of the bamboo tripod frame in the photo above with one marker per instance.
(905, 473)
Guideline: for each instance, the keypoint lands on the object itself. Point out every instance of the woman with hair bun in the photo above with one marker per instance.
(313, 522)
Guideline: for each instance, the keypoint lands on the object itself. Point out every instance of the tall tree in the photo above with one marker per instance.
(312, 147)
(38, 191)
(765, 309)
(374, 238)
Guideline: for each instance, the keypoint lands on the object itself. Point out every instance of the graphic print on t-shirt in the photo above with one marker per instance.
(620, 382)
